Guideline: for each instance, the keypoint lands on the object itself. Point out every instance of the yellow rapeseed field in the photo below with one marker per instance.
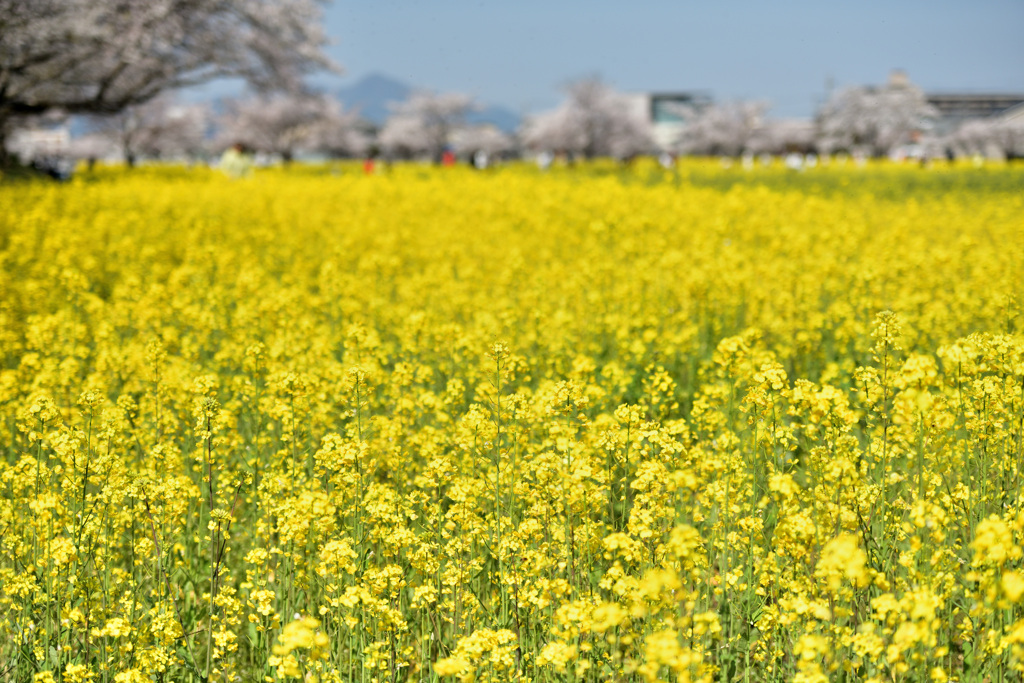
(598, 424)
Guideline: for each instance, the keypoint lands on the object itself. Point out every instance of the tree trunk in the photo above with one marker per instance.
(5, 159)
(129, 154)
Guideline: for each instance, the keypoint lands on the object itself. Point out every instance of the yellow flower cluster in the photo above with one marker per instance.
(596, 424)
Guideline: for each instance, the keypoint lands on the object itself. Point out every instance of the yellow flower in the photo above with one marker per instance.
(1013, 585)
(301, 634)
(78, 673)
(993, 543)
(843, 558)
(451, 666)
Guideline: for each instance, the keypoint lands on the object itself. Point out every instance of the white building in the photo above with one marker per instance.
(668, 113)
(33, 143)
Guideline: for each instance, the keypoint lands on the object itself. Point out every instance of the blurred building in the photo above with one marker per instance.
(668, 113)
(1014, 115)
(40, 141)
(956, 108)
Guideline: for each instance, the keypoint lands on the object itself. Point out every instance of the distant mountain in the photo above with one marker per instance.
(372, 94)
(502, 117)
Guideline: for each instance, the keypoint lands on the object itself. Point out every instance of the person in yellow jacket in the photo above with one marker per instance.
(235, 162)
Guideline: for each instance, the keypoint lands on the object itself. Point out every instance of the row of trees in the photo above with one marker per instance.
(593, 120)
(287, 124)
(117, 60)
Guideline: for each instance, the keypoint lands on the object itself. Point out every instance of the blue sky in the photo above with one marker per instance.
(519, 52)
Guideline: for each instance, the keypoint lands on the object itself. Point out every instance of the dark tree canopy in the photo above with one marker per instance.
(100, 56)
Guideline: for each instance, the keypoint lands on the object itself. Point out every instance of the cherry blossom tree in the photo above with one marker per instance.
(284, 124)
(424, 123)
(726, 129)
(339, 132)
(992, 138)
(552, 131)
(402, 137)
(483, 138)
(91, 147)
(594, 120)
(874, 120)
(101, 56)
(160, 128)
(778, 136)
